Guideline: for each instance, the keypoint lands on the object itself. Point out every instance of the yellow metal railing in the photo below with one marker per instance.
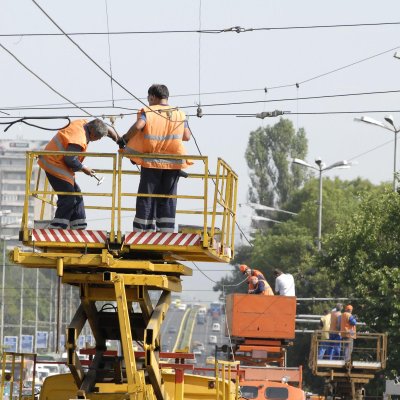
(368, 351)
(215, 198)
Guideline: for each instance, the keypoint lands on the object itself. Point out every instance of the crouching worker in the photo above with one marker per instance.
(60, 169)
(259, 286)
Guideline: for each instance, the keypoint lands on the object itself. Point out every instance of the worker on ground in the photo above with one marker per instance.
(334, 334)
(60, 169)
(348, 331)
(260, 286)
(284, 283)
(159, 129)
(324, 345)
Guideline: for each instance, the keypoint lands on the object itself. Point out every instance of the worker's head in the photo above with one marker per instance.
(156, 93)
(244, 269)
(254, 280)
(326, 311)
(349, 308)
(277, 272)
(97, 129)
(339, 307)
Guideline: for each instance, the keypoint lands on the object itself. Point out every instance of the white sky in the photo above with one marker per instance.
(229, 61)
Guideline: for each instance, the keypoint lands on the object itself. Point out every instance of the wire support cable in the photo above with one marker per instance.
(233, 29)
(43, 81)
(97, 64)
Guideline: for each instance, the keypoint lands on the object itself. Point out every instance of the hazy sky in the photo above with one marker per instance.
(228, 61)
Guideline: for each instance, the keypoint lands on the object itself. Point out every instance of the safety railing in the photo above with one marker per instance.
(214, 199)
(37, 187)
(207, 201)
(227, 372)
(17, 375)
(366, 352)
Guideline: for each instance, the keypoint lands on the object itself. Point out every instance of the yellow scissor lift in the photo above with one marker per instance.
(123, 266)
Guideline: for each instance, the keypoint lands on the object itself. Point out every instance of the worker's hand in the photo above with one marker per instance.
(88, 171)
(121, 142)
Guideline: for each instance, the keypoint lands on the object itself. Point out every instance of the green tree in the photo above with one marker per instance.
(362, 258)
(269, 152)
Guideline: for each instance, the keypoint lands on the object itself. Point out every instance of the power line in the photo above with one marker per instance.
(233, 29)
(98, 65)
(41, 80)
(276, 100)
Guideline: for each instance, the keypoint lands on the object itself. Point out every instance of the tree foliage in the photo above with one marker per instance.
(363, 258)
(268, 155)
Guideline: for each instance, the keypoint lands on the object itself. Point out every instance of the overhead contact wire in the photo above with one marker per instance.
(44, 82)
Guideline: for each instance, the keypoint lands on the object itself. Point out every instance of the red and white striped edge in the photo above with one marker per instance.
(69, 236)
(162, 238)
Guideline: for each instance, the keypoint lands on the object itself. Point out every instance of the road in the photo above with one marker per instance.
(201, 333)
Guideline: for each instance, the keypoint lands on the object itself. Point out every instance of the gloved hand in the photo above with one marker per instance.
(121, 142)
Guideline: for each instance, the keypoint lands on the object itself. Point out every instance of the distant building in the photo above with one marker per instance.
(12, 183)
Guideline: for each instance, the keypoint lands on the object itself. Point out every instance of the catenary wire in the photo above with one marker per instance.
(235, 29)
(277, 100)
(109, 53)
(98, 65)
(265, 89)
(43, 81)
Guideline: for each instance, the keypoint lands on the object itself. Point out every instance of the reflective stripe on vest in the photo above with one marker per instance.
(156, 160)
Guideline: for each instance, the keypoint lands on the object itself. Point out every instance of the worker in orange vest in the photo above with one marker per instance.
(348, 331)
(60, 169)
(260, 286)
(245, 270)
(159, 129)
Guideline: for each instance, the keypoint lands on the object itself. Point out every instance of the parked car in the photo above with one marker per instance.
(182, 307)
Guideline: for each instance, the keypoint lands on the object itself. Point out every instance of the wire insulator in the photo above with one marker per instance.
(199, 112)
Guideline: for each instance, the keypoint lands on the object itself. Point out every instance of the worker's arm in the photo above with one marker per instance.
(112, 133)
(260, 288)
(74, 163)
(134, 129)
(353, 320)
(187, 133)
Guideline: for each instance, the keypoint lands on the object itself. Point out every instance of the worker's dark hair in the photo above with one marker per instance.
(326, 311)
(339, 306)
(159, 91)
(100, 129)
(277, 271)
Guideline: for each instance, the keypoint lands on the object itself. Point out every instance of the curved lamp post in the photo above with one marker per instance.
(390, 127)
(321, 167)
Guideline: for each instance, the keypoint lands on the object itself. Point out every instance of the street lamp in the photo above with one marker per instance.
(321, 167)
(392, 128)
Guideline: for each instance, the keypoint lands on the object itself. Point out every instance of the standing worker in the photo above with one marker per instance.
(60, 169)
(334, 334)
(348, 331)
(159, 129)
(324, 346)
(284, 283)
(260, 286)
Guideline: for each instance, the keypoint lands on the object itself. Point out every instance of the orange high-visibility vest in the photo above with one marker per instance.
(55, 165)
(268, 291)
(258, 274)
(346, 329)
(162, 134)
(335, 324)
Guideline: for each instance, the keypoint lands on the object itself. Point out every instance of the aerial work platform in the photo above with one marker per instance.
(211, 215)
(121, 266)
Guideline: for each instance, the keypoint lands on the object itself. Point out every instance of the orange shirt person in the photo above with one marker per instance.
(260, 286)
(159, 129)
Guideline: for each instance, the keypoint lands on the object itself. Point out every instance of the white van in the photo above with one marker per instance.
(216, 327)
(212, 339)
